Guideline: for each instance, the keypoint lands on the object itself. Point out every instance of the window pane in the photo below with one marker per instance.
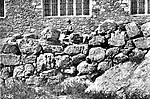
(54, 7)
(141, 6)
(1, 8)
(148, 6)
(47, 8)
(62, 7)
(78, 7)
(70, 7)
(133, 6)
(85, 7)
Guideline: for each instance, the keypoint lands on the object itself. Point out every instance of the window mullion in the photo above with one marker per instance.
(74, 7)
(58, 8)
(82, 7)
(146, 6)
(66, 7)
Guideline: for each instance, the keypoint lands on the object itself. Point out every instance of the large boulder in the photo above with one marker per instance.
(10, 59)
(142, 42)
(124, 80)
(117, 39)
(76, 49)
(97, 54)
(132, 30)
(97, 40)
(145, 28)
(11, 48)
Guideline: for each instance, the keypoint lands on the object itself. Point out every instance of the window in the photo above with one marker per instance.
(2, 12)
(140, 6)
(66, 8)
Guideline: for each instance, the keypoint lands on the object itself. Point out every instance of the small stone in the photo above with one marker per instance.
(117, 39)
(29, 59)
(78, 59)
(76, 38)
(11, 48)
(111, 52)
(76, 49)
(145, 28)
(132, 30)
(5, 73)
(105, 65)
(120, 58)
(97, 40)
(18, 71)
(142, 42)
(28, 69)
(10, 59)
(97, 54)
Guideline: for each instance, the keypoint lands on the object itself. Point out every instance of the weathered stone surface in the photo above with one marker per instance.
(77, 59)
(117, 39)
(2, 82)
(128, 78)
(111, 52)
(18, 71)
(105, 65)
(137, 55)
(97, 54)
(11, 48)
(120, 58)
(142, 42)
(30, 46)
(76, 38)
(50, 34)
(64, 62)
(5, 73)
(28, 69)
(145, 28)
(85, 68)
(97, 40)
(44, 61)
(106, 26)
(28, 59)
(132, 30)
(76, 49)
(10, 59)
(50, 48)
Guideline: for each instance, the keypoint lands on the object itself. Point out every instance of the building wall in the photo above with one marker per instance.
(26, 16)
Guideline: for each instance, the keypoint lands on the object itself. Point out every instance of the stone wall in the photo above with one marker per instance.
(24, 17)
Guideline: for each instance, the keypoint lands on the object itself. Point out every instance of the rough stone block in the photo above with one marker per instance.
(9, 59)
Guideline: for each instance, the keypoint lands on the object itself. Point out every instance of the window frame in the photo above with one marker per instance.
(145, 7)
(4, 11)
(74, 9)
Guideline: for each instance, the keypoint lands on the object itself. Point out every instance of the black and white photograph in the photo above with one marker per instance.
(74, 49)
